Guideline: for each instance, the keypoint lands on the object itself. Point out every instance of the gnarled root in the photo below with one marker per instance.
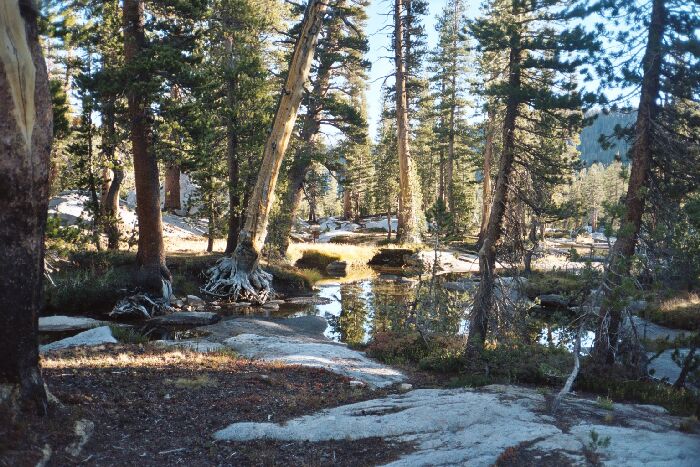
(143, 305)
(227, 279)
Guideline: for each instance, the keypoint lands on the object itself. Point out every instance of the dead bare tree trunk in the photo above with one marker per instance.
(483, 300)
(408, 230)
(153, 276)
(610, 318)
(240, 275)
(26, 128)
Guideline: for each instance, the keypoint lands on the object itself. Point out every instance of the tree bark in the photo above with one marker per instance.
(408, 230)
(26, 127)
(110, 202)
(240, 274)
(292, 200)
(483, 300)
(153, 275)
(486, 187)
(607, 333)
(172, 187)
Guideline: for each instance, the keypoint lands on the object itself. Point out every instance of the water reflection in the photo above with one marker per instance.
(358, 310)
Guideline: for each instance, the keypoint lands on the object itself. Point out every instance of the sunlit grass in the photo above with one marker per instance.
(352, 254)
(681, 311)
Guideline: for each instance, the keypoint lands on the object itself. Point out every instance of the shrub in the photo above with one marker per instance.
(552, 282)
(623, 385)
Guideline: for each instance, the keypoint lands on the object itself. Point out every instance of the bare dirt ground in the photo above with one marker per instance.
(154, 406)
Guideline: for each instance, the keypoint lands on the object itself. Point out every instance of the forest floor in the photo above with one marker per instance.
(145, 405)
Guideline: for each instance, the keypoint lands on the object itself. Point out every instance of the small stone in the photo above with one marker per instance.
(405, 387)
(356, 384)
(241, 304)
(195, 301)
(271, 306)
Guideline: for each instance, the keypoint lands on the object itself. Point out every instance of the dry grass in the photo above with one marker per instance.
(352, 254)
(681, 311)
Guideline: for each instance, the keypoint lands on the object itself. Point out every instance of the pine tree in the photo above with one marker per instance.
(527, 31)
(659, 136)
(408, 219)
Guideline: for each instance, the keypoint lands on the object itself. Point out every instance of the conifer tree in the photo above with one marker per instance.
(661, 143)
(409, 229)
(527, 30)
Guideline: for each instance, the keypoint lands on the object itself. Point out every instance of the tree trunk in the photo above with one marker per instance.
(408, 230)
(292, 200)
(153, 275)
(240, 274)
(606, 339)
(347, 203)
(488, 161)
(110, 194)
(172, 187)
(483, 300)
(532, 237)
(26, 132)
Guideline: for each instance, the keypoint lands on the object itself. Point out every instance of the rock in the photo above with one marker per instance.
(203, 345)
(314, 300)
(405, 387)
(195, 301)
(271, 306)
(241, 304)
(388, 277)
(474, 426)
(552, 300)
(95, 336)
(336, 358)
(337, 269)
(186, 318)
(392, 257)
(66, 323)
(637, 306)
(279, 302)
(356, 384)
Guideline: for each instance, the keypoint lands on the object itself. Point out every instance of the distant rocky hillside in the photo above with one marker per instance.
(591, 151)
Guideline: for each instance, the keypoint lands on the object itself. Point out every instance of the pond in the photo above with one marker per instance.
(355, 311)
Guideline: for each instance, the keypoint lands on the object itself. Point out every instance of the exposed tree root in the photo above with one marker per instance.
(142, 305)
(226, 279)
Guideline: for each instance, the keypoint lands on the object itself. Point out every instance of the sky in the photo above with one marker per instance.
(379, 27)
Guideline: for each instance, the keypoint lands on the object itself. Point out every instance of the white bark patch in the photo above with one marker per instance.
(19, 67)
